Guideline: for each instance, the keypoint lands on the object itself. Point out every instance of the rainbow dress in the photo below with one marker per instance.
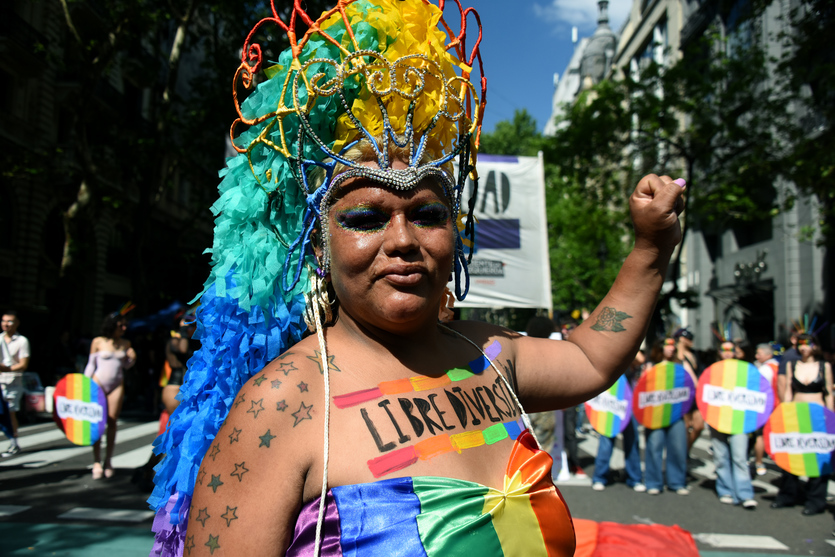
(438, 517)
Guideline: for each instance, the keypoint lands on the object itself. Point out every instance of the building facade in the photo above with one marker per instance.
(756, 277)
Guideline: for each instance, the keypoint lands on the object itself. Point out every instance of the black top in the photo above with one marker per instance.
(817, 385)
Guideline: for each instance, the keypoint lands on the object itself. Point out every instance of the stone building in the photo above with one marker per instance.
(756, 276)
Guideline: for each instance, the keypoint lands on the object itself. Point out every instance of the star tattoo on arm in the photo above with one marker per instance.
(215, 483)
(212, 544)
(240, 470)
(287, 367)
(215, 451)
(229, 515)
(317, 357)
(201, 476)
(234, 435)
(203, 516)
(303, 413)
(256, 407)
(189, 544)
(276, 384)
(241, 399)
(610, 320)
(281, 406)
(260, 380)
(265, 439)
(302, 387)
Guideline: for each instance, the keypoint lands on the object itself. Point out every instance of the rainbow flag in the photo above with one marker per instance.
(799, 437)
(610, 411)
(663, 395)
(80, 409)
(734, 397)
(438, 517)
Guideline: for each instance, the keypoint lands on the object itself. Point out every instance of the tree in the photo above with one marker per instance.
(517, 137)
(587, 188)
(807, 68)
(711, 117)
(159, 134)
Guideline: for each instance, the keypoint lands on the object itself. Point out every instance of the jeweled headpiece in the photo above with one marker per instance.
(386, 72)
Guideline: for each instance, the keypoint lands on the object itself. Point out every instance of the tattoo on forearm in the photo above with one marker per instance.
(212, 544)
(189, 544)
(265, 439)
(215, 451)
(256, 407)
(229, 515)
(240, 470)
(259, 380)
(303, 413)
(203, 516)
(610, 320)
(215, 483)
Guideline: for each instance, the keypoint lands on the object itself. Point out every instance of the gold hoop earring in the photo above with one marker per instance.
(318, 301)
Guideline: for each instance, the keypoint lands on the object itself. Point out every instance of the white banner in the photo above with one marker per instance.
(802, 443)
(78, 410)
(510, 267)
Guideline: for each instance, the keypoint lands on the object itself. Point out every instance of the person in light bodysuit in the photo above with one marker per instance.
(391, 430)
(110, 356)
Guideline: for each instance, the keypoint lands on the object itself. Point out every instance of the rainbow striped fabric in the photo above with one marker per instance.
(799, 437)
(80, 409)
(438, 517)
(734, 397)
(610, 411)
(663, 395)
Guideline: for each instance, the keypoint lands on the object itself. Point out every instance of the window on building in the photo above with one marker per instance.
(753, 232)
(739, 27)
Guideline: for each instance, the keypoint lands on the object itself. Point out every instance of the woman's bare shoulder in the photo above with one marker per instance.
(482, 333)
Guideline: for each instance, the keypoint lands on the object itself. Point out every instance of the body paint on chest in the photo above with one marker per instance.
(420, 383)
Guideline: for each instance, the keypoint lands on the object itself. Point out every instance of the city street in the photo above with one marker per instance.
(50, 506)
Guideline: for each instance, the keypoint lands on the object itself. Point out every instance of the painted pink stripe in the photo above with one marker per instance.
(357, 397)
(392, 462)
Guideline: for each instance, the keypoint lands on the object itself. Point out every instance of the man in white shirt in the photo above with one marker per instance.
(14, 353)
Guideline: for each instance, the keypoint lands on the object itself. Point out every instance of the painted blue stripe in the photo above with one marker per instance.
(478, 365)
(513, 429)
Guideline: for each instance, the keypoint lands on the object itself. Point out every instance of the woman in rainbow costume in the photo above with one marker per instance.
(334, 408)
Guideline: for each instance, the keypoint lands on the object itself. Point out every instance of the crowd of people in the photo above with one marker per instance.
(110, 362)
(797, 374)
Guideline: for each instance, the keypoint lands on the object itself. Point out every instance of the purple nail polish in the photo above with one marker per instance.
(681, 182)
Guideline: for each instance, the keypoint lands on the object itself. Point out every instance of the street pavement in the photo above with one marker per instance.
(50, 505)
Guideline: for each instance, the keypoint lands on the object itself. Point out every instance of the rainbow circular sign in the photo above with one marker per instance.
(610, 411)
(734, 397)
(800, 438)
(663, 395)
(80, 409)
